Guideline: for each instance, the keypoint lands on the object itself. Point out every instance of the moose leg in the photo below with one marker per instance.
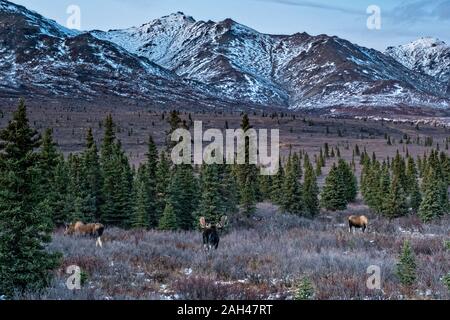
(99, 243)
(364, 228)
(217, 244)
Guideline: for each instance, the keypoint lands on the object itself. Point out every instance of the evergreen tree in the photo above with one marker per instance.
(211, 204)
(415, 198)
(25, 264)
(406, 267)
(349, 181)
(108, 138)
(168, 221)
(91, 178)
(145, 213)
(292, 188)
(47, 164)
(327, 150)
(395, 205)
(305, 289)
(264, 183)
(247, 176)
(74, 209)
(432, 205)
(399, 170)
(371, 183)
(182, 195)
(276, 193)
(175, 123)
(60, 215)
(229, 189)
(151, 183)
(140, 218)
(117, 180)
(384, 189)
(163, 173)
(333, 194)
(310, 191)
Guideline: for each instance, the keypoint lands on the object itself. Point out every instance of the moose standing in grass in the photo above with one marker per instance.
(360, 222)
(210, 232)
(92, 229)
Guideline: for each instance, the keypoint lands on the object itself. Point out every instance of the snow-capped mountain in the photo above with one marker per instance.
(292, 71)
(426, 55)
(176, 60)
(38, 57)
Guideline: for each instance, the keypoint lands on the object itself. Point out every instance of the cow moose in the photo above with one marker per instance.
(92, 229)
(360, 222)
(210, 232)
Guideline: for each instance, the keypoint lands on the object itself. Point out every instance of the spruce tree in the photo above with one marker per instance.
(384, 188)
(264, 183)
(333, 196)
(406, 266)
(91, 178)
(211, 205)
(74, 209)
(182, 195)
(415, 197)
(175, 123)
(399, 170)
(310, 191)
(247, 176)
(151, 183)
(168, 220)
(395, 205)
(304, 290)
(276, 193)
(25, 264)
(292, 188)
(117, 180)
(163, 174)
(47, 164)
(431, 206)
(229, 189)
(349, 181)
(60, 214)
(140, 218)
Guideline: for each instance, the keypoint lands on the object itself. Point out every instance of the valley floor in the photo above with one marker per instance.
(261, 258)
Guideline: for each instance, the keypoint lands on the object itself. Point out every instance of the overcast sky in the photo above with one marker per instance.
(401, 20)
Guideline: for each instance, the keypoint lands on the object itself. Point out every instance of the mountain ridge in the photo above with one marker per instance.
(176, 60)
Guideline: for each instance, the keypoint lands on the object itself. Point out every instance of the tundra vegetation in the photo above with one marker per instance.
(280, 227)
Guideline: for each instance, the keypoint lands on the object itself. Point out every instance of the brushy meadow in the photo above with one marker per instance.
(262, 258)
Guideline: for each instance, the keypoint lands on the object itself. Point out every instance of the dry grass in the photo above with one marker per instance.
(260, 261)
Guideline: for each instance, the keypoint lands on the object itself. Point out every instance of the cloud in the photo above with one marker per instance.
(421, 11)
(317, 5)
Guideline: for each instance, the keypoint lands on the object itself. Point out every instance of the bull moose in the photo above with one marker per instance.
(210, 232)
(92, 229)
(360, 222)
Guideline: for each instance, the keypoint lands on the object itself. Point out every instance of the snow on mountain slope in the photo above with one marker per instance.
(41, 58)
(45, 26)
(212, 53)
(292, 71)
(427, 56)
(176, 61)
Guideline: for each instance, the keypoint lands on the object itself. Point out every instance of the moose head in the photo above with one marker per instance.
(210, 232)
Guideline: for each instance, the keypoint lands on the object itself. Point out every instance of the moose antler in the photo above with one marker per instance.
(223, 222)
(203, 222)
